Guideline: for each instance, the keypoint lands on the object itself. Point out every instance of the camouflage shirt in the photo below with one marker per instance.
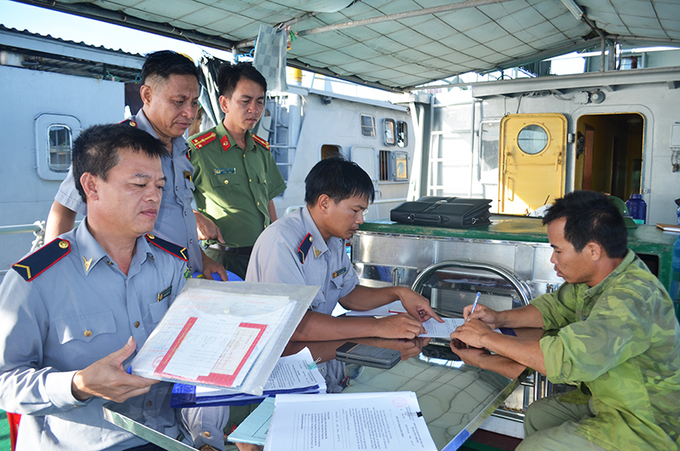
(621, 340)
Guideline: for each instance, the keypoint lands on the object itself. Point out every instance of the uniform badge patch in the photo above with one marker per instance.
(165, 293)
(304, 247)
(225, 143)
(129, 122)
(260, 141)
(178, 251)
(202, 140)
(340, 272)
(87, 263)
(221, 171)
(35, 264)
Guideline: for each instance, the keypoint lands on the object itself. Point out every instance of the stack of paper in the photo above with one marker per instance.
(223, 334)
(292, 374)
(389, 421)
(434, 328)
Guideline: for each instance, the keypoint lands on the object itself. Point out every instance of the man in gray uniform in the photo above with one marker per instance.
(307, 247)
(170, 92)
(73, 313)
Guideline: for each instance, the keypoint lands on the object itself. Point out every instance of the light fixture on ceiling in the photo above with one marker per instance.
(574, 9)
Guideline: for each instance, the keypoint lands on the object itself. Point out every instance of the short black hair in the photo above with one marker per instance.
(591, 216)
(96, 149)
(230, 74)
(339, 179)
(165, 63)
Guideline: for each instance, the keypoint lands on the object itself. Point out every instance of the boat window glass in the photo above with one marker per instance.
(367, 125)
(532, 139)
(390, 132)
(393, 165)
(330, 151)
(400, 170)
(60, 144)
(384, 157)
(402, 134)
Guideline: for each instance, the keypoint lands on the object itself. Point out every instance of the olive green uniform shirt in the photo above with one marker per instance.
(234, 186)
(621, 340)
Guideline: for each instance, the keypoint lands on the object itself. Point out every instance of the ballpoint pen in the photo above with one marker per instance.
(474, 306)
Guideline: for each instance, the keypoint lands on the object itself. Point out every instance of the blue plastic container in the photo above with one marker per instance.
(637, 208)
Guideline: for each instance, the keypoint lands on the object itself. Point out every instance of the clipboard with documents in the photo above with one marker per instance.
(296, 373)
(222, 334)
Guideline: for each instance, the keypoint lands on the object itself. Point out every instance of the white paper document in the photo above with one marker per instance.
(389, 421)
(441, 330)
(385, 310)
(292, 373)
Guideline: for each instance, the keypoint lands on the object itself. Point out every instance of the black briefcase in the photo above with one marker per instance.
(443, 212)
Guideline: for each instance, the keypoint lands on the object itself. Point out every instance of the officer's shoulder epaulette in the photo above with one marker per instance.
(37, 263)
(201, 140)
(260, 141)
(130, 122)
(171, 248)
(304, 247)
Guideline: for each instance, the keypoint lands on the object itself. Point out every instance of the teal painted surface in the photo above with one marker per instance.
(5, 444)
(646, 239)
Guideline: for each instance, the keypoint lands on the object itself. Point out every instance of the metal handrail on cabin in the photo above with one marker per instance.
(37, 228)
(525, 296)
(541, 386)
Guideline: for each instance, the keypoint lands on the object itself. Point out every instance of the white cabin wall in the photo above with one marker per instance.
(657, 102)
(338, 123)
(26, 94)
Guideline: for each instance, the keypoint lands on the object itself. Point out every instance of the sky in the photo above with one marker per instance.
(92, 32)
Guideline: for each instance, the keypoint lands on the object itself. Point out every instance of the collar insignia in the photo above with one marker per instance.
(87, 263)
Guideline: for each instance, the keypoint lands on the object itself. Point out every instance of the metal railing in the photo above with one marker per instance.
(37, 228)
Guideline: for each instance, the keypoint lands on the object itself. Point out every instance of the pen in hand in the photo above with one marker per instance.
(474, 306)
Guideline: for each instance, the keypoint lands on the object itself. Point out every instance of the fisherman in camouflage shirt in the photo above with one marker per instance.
(611, 332)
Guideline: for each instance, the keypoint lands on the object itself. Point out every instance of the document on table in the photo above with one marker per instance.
(390, 421)
(256, 425)
(441, 330)
(385, 310)
(295, 373)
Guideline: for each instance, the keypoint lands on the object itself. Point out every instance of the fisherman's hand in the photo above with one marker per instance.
(471, 356)
(417, 305)
(106, 378)
(471, 332)
(207, 230)
(484, 314)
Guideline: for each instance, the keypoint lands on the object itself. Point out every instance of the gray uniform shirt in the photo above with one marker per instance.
(79, 310)
(176, 221)
(275, 259)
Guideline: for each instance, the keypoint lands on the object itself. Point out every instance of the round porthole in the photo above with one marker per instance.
(532, 139)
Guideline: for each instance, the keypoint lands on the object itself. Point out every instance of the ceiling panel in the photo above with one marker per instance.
(400, 52)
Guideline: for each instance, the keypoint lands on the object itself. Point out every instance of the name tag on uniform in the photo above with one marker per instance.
(221, 171)
(339, 272)
(165, 293)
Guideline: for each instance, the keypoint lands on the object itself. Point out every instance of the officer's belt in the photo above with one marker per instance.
(232, 250)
